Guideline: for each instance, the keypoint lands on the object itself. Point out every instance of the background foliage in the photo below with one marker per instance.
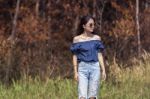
(45, 29)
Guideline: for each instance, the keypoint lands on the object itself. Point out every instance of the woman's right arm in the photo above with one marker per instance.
(75, 66)
(75, 63)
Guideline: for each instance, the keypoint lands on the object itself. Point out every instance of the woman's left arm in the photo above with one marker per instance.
(101, 61)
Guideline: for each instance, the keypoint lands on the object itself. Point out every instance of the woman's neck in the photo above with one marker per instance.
(87, 34)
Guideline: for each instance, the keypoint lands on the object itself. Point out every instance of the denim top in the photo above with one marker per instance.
(87, 50)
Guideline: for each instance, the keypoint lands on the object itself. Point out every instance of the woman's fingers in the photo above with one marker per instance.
(103, 75)
(76, 77)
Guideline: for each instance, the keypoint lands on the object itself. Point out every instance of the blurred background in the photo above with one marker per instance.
(35, 35)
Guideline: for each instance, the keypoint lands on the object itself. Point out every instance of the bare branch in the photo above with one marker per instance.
(15, 22)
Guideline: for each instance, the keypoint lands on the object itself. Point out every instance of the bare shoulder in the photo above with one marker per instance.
(97, 37)
(76, 39)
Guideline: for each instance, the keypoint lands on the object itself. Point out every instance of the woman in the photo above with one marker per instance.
(87, 59)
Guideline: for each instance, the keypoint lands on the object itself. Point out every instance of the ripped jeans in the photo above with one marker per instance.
(89, 79)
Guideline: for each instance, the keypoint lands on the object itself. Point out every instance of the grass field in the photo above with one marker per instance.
(128, 84)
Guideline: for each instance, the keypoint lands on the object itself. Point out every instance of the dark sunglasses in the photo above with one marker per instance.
(91, 25)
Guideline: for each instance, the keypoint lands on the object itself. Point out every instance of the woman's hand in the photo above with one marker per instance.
(103, 75)
(76, 76)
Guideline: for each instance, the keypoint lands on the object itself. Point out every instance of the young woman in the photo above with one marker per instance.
(87, 59)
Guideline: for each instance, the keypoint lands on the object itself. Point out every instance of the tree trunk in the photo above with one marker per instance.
(37, 8)
(12, 44)
(138, 27)
(94, 8)
(74, 30)
(100, 15)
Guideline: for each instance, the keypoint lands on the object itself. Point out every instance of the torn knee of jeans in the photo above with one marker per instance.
(92, 98)
(82, 97)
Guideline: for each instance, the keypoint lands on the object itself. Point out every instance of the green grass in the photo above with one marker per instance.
(131, 88)
(67, 89)
(128, 84)
(35, 89)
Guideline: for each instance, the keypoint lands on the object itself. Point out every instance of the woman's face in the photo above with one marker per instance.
(89, 26)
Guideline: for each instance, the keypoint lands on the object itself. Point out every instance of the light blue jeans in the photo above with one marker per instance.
(89, 79)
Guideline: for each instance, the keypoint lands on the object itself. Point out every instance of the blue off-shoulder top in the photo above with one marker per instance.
(87, 50)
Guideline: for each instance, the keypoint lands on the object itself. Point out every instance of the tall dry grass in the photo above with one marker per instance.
(127, 83)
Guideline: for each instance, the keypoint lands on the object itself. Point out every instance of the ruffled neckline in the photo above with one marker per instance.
(86, 41)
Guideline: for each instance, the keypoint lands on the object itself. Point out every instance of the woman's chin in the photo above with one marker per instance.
(91, 31)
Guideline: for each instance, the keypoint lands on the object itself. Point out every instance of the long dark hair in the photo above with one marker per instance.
(83, 21)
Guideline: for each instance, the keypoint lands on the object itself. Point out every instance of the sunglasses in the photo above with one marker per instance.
(91, 25)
